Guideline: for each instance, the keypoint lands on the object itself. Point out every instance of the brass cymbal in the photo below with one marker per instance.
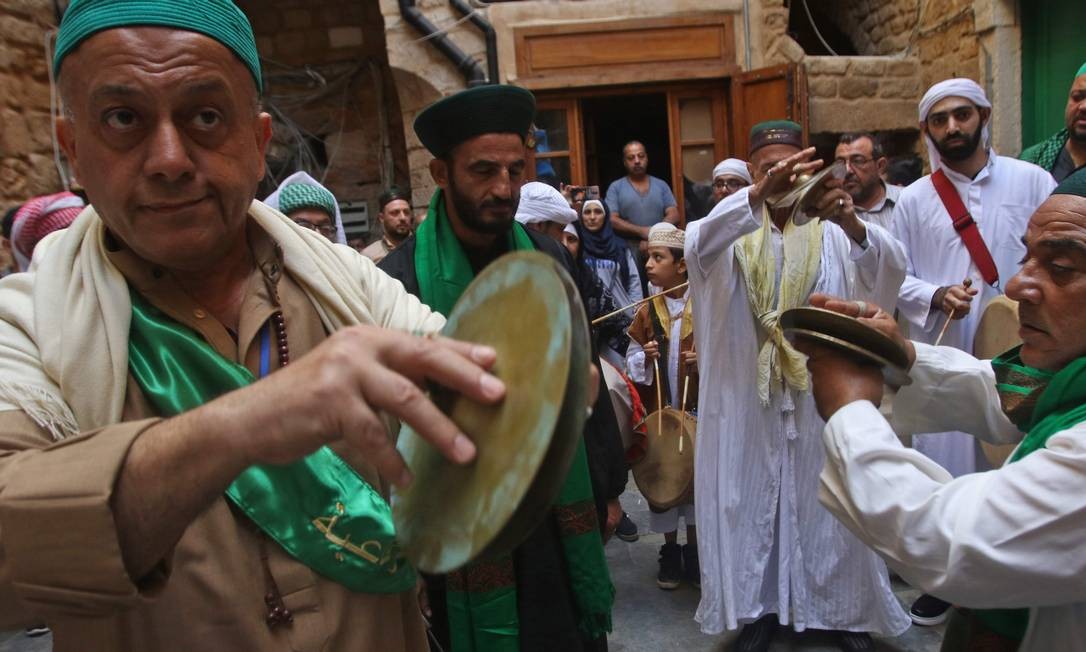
(847, 329)
(521, 306)
(805, 191)
(891, 373)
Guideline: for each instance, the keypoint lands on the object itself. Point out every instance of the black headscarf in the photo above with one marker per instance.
(603, 244)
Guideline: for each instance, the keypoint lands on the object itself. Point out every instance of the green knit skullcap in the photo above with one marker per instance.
(302, 195)
(1081, 71)
(1074, 184)
(496, 108)
(218, 19)
(775, 132)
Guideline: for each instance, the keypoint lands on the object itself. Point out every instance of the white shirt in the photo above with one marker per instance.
(635, 354)
(882, 213)
(1007, 538)
(1001, 200)
(764, 543)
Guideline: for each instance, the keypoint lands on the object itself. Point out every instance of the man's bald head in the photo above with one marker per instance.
(1051, 286)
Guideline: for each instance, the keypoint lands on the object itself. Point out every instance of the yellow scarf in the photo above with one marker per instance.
(662, 313)
(802, 258)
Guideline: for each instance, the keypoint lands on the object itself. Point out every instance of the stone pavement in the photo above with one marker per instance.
(647, 618)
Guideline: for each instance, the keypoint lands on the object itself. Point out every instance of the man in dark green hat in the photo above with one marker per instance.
(1065, 151)
(554, 592)
(1006, 544)
(769, 553)
(176, 422)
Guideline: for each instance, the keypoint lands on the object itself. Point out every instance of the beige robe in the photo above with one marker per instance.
(208, 593)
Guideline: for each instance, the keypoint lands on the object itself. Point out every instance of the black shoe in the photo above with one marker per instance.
(691, 567)
(757, 636)
(929, 611)
(856, 642)
(671, 567)
(36, 631)
(626, 529)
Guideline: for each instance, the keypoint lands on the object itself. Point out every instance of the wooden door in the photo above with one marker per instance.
(774, 93)
(698, 134)
(558, 152)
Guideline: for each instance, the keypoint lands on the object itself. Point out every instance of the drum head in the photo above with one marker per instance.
(521, 306)
(997, 333)
(665, 474)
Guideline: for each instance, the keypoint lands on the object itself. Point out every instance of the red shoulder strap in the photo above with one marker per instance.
(966, 228)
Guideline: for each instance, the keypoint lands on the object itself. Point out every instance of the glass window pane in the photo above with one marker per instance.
(552, 170)
(698, 163)
(696, 118)
(555, 131)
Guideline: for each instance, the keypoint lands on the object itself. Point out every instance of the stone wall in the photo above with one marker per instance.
(862, 93)
(26, 126)
(329, 85)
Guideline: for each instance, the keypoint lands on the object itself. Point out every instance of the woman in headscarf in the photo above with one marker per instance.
(607, 254)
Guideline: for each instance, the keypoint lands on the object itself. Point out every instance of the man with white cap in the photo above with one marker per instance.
(543, 209)
(729, 176)
(961, 227)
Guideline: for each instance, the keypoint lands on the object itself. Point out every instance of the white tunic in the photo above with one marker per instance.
(1001, 200)
(1000, 539)
(764, 542)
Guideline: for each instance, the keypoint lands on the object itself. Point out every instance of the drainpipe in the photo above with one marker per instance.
(468, 66)
(489, 35)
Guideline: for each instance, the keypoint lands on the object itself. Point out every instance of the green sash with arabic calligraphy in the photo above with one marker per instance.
(318, 508)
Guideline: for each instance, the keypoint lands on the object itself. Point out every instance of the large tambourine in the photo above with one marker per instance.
(997, 332)
(527, 307)
(665, 473)
(850, 335)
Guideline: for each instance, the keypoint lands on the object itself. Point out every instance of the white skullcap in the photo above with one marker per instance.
(959, 87)
(666, 234)
(734, 167)
(542, 203)
(572, 230)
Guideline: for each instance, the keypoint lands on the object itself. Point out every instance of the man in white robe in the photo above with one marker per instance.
(1009, 538)
(766, 546)
(1000, 194)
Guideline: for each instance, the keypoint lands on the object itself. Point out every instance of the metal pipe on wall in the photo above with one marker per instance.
(489, 36)
(467, 65)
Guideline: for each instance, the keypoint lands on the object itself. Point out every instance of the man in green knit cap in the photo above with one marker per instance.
(1005, 545)
(554, 591)
(189, 382)
(1065, 151)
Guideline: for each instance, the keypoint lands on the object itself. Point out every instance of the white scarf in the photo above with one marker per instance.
(64, 324)
(965, 88)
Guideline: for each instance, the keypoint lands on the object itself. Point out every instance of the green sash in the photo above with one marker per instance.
(1041, 403)
(482, 597)
(318, 508)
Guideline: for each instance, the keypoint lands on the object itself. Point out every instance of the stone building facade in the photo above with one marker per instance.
(347, 77)
(26, 143)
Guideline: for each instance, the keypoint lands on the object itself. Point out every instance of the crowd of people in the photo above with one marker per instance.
(181, 361)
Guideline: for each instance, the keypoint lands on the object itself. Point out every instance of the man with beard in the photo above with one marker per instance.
(1065, 151)
(872, 199)
(999, 194)
(396, 223)
(554, 591)
(639, 200)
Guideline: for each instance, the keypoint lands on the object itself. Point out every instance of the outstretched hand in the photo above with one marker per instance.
(780, 177)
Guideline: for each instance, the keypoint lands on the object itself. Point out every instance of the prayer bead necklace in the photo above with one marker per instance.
(278, 614)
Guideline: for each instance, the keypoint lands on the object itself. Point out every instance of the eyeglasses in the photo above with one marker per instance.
(326, 230)
(961, 114)
(856, 161)
(730, 184)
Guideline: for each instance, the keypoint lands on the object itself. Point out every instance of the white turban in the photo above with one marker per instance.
(570, 229)
(306, 180)
(542, 203)
(734, 167)
(965, 88)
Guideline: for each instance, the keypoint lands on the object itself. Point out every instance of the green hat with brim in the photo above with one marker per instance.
(497, 108)
(775, 132)
(295, 196)
(217, 19)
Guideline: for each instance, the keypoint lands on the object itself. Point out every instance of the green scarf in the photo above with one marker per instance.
(1041, 403)
(318, 508)
(1047, 151)
(482, 597)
